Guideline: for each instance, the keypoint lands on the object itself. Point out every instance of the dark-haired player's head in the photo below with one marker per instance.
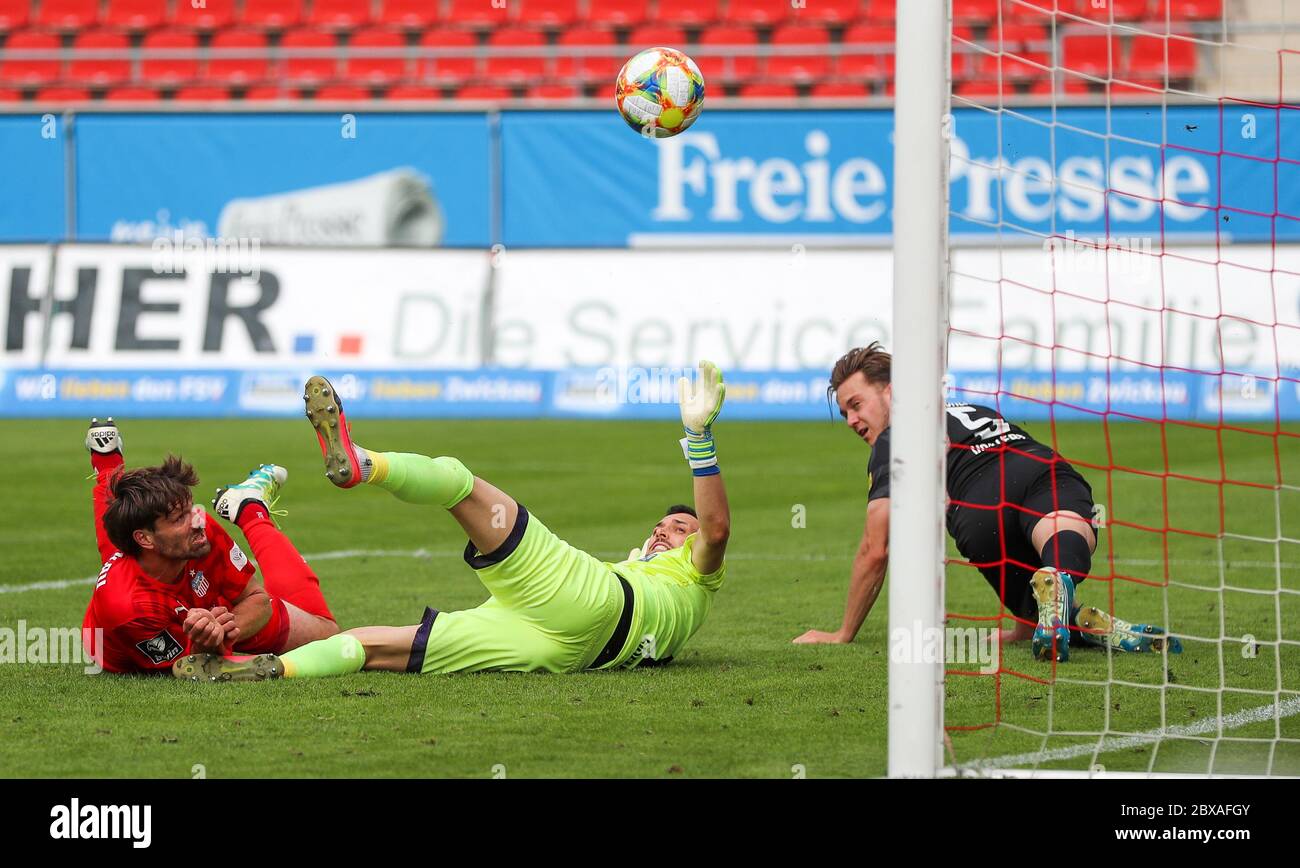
(860, 386)
(151, 510)
(671, 532)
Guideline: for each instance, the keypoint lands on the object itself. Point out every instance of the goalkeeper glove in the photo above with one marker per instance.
(700, 406)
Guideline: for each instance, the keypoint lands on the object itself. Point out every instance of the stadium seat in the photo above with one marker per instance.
(1016, 67)
(408, 14)
(271, 14)
(483, 91)
(547, 14)
(342, 93)
(718, 66)
(14, 14)
(309, 70)
(758, 13)
(448, 70)
(170, 70)
(201, 93)
(835, 12)
(341, 14)
(984, 88)
(878, 63)
(62, 94)
(477, 14)
(1016, 36)
(554, 91)
(375, 69)
(799, 67)
(239, 70)
(616, 13)
(687, 13)
(1075, 85)
(651, 35)
(25, 71)
(100, 71)
(8, 95)
(136, 15)
(768, 90)
(591, 67)
(68, 14)
(1091, 53)
(1147, 57)
(1123, 10)
(878, 12)
(975, 11)
(269, 93)
(516, 70)
(841, 89)
(1189, 10)
(133, 94)
(412, 92)
(214, 15)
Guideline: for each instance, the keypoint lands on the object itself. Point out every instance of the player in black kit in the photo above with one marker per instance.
(1033, 549)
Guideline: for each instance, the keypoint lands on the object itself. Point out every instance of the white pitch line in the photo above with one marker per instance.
(425, 554)
(1206, 726)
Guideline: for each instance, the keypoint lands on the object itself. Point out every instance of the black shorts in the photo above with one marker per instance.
(998, 539)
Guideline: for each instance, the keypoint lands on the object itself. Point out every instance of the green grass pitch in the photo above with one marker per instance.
(741, 701)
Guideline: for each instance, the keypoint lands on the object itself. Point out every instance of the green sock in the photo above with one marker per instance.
(341, 654)
(442, 481)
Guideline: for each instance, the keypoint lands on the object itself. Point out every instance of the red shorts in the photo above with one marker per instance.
(271, 638)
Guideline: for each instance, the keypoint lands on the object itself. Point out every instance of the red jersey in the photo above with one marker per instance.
(143, 618)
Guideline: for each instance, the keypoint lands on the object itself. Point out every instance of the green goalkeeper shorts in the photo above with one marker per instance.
(553, 608)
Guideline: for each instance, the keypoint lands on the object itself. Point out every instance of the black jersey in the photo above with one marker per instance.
(977, 435)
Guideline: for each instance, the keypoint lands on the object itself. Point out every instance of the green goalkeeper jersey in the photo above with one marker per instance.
(672, 600)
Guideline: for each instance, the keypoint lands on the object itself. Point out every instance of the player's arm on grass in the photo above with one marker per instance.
(701, 403)
(868, 577)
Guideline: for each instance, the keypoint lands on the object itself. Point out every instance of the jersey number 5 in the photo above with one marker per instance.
(985, 427)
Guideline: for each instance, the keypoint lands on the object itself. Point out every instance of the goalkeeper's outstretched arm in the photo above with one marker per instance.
(700, 405)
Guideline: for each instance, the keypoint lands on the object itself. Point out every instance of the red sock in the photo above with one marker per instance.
(101, 463)
(284, 571)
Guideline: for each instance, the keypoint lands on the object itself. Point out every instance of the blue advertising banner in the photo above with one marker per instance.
(1028, 396)
(33, 195)
(368, 179)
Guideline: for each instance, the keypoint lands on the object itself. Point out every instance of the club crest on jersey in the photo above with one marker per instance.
(199, 583)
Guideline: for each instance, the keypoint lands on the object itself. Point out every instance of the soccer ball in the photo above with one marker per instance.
(659, 92)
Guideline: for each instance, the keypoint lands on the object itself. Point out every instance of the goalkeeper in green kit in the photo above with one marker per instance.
(552, 607)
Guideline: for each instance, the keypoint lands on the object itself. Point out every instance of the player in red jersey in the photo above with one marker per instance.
(174, 581)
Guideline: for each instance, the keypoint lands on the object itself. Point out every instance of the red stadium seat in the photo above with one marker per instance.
(1074, 85)
(343, 93)
(1017, 67)
(412, 92)
(512, 70)
(68, 14)
(591, 67)
(1123, 10)
(214, 14)
(448, 70)
(768, 90)
(879, 63)
(841, 89)
(312, 69)
(727, 67)
(201, 93)
(616, 13)
(1190, 10)
(1015, 36)
(239, 70)
(133, 94)
(975, 11)
(341, 14)
(878, 11)
(548, 14)
(687, 13)
(837, 12)
(375, 69)
(553, 91)
(100, 71)
(270, 93)
(136, 15)
(170, 70)
(1147, 57)
(26, 71)
(14, 14)
(7, 95)
(758, 13)
(654, 36)
(408, 14)
(478, 14)
(271, 14)
(1091, 53)
(484, 92)
(62, 94)
(985, 88)
(799, 67)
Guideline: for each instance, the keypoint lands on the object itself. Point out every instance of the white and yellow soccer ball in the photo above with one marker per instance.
(659, 92)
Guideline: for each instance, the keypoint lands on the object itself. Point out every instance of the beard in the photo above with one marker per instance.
(188, 550)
